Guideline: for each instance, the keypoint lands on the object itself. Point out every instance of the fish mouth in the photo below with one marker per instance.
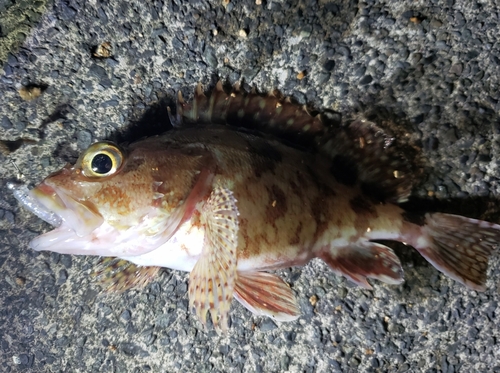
(53, 205)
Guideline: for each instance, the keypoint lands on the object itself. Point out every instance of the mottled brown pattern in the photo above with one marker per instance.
(295, 240)
(321, 216)
(361, 205)
(366, 213)
(323, 189)
(291, 206)
(277, 205)
(263, 156)
(116, 197)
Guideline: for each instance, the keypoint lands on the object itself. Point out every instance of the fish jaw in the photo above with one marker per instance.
(69, 217)
(105, 240)
(75, 215)
(180, 252)
(83, 229)
(73, 221)
(79, 228)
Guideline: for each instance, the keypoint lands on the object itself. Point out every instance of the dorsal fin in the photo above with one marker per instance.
(270, 113)
(363, 154)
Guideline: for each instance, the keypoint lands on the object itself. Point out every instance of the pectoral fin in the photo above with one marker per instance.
(265, 294)
(211, 282)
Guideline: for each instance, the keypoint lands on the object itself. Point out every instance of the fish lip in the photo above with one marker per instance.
(72, 213)
(29, 201)
(48, 198)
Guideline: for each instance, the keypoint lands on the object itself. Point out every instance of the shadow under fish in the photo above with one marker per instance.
(228, 204)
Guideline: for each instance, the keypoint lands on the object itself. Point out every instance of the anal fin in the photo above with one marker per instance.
(265, 294)
(365, 260)
(116, 274)
(211, 282)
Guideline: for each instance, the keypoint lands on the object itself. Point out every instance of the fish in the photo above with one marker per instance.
(245, 184)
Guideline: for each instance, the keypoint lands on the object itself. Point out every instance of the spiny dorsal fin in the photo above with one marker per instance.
(270, 113)
(363, 154)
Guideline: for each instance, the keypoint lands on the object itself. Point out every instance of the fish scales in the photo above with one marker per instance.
(228, 204)
(272, 208)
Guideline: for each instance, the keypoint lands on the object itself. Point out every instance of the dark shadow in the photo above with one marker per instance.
(483, 208)
(154, 121)
(59, 113)
(66, 152)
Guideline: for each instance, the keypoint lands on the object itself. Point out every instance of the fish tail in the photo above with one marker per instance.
(459, 247)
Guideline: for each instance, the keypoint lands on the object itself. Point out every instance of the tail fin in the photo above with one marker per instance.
(459, 247)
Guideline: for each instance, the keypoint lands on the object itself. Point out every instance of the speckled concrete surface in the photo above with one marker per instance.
(426, 70)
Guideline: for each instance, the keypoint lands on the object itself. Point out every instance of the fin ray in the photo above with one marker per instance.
(266, 294)
(119, 275)
(459, 247)
(211, 282)
(365, 260)
(271, 114)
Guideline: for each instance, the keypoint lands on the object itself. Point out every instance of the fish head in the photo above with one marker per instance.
(115, 201)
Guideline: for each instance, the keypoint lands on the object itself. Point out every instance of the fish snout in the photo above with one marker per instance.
(81, 217)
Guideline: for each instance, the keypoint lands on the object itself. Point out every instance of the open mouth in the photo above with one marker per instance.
(79, 229)
(52, 205)
(33, 204)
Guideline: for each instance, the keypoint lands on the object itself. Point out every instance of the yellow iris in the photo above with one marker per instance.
(101, 159)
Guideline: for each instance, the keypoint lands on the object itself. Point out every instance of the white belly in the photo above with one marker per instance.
(181, 252)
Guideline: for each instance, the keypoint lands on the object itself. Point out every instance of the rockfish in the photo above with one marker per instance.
(219, 199)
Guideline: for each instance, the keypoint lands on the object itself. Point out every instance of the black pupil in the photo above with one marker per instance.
(102, 164)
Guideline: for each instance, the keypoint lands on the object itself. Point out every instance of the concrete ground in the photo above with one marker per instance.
(426, 70)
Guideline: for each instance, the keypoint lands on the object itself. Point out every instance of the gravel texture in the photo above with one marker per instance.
(426, 70)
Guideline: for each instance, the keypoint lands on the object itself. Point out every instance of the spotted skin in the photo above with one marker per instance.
(227, 205)
(292, 208)
(295, 204)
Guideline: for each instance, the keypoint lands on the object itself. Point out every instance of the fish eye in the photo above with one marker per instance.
(101, 159)
(102, 163)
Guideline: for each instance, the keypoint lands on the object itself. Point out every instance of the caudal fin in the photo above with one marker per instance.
(459, 247)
